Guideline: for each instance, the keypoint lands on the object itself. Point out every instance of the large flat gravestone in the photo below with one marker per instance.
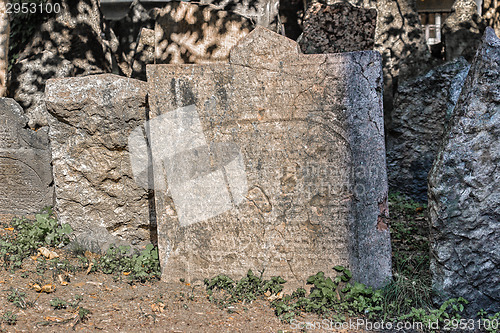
(274, 162)
(25, 172)
(91, 120)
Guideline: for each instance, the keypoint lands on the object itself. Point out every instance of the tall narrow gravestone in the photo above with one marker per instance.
(274, 162)
(25, 172)
(91, 119)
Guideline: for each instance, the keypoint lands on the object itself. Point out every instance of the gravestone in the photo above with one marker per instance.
(462, 30)
(144, 54)
(340, 27)
(91, 118)
(464, 195)
(423, 107)
(25, 171)
(273, 161)
(192, 33)
(127, 30)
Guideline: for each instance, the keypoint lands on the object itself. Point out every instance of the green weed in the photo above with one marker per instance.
(223, 291)
(29, 235)
(9, 318)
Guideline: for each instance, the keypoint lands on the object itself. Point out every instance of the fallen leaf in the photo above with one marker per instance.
(56, 319)
(47, 253)
(35, 257)
(158, 307)
(90, 267)
(274, 297)
(46, 288)
(62, 280)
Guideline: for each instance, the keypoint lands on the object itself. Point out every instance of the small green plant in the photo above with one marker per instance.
(58, 304)
(9, 318)
(491, 323)
(140, 266)
(224, 292)
(83, 314)
(405, 293)
(29, 235)
(18, 298)
(449, 310)
(331, 297)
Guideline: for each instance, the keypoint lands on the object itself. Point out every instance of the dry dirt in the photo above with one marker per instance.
(117, 306)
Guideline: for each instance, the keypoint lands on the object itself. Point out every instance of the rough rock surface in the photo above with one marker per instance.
(28, 83)
(262, 12)
(423, 108)
(95, 192)
(340, 27)
(191, 33)
(127, 31)
(25, 171)
(401, 41)
(464, 190)
(144, 54)
(462, 30)
(298, 138)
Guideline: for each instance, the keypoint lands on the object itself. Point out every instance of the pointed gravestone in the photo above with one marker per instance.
(464, 195)
(273, 161)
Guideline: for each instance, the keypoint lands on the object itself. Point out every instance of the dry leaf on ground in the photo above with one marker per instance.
(47, 253)
(46, 288)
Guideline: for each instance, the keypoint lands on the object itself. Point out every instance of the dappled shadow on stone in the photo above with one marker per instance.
(190, 33)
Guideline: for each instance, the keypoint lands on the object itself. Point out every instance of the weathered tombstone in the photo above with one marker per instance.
(462, 30)
(127, 30)
(25, 171)
(340, 27)
(401, 41)
(192, 33)
(464, 190)
(144, 54)
(289, 147)
(423, 107)
(91, 119)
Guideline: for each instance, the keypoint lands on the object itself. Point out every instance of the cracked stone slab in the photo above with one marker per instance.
(464, 195)
(25, 171)
(309, 132)
(90, 121)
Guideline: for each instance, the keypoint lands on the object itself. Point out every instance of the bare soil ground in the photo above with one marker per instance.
(117, 306)
(91, 301)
